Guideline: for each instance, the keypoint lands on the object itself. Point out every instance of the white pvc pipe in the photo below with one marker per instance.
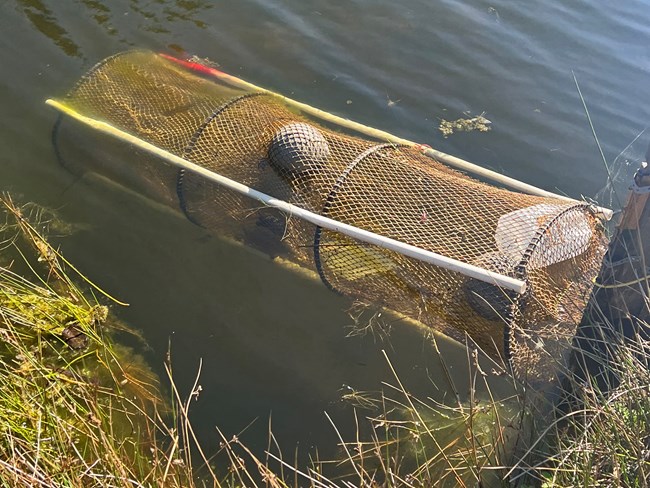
(316, 219)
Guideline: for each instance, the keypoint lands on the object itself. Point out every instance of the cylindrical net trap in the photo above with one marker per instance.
(164, 112)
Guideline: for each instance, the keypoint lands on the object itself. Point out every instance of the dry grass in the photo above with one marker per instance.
(602, 435)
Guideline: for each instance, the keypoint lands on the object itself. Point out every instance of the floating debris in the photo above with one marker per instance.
(467, 124)
(391, 103)
(75, 337)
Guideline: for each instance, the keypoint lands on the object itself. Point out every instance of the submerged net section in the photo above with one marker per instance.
(255, 138)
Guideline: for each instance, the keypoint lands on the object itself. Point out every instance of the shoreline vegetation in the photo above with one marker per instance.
(78, 409)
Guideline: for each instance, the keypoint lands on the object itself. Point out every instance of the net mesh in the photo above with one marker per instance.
(256, 139)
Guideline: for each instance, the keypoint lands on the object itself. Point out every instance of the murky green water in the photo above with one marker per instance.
(272, 341)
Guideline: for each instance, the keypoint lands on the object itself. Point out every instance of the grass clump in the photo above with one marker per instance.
(76, 409)
(605, 440)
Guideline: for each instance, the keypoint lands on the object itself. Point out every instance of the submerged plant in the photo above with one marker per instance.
(421, 442)
(405, 441)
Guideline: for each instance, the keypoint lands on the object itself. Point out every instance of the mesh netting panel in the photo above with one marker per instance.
(560, 262)
(256, 139)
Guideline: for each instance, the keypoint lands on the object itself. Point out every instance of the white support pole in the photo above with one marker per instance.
(316, 219)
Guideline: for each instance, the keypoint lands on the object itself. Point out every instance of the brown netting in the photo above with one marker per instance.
(256, 139)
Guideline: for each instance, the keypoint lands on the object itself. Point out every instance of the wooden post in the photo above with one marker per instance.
(618, 310)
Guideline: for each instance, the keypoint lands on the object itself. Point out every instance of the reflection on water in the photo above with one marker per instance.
(158, 15)
(101, 14)
(44, 21)
(189, 11)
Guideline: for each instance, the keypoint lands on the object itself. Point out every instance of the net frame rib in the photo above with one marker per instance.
(430, 257)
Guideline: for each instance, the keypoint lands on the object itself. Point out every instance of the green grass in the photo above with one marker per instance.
(76, 409)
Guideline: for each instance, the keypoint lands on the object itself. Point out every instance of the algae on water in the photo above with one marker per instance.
(465, 124)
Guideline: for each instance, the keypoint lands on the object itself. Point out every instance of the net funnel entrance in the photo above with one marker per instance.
(256, 139)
